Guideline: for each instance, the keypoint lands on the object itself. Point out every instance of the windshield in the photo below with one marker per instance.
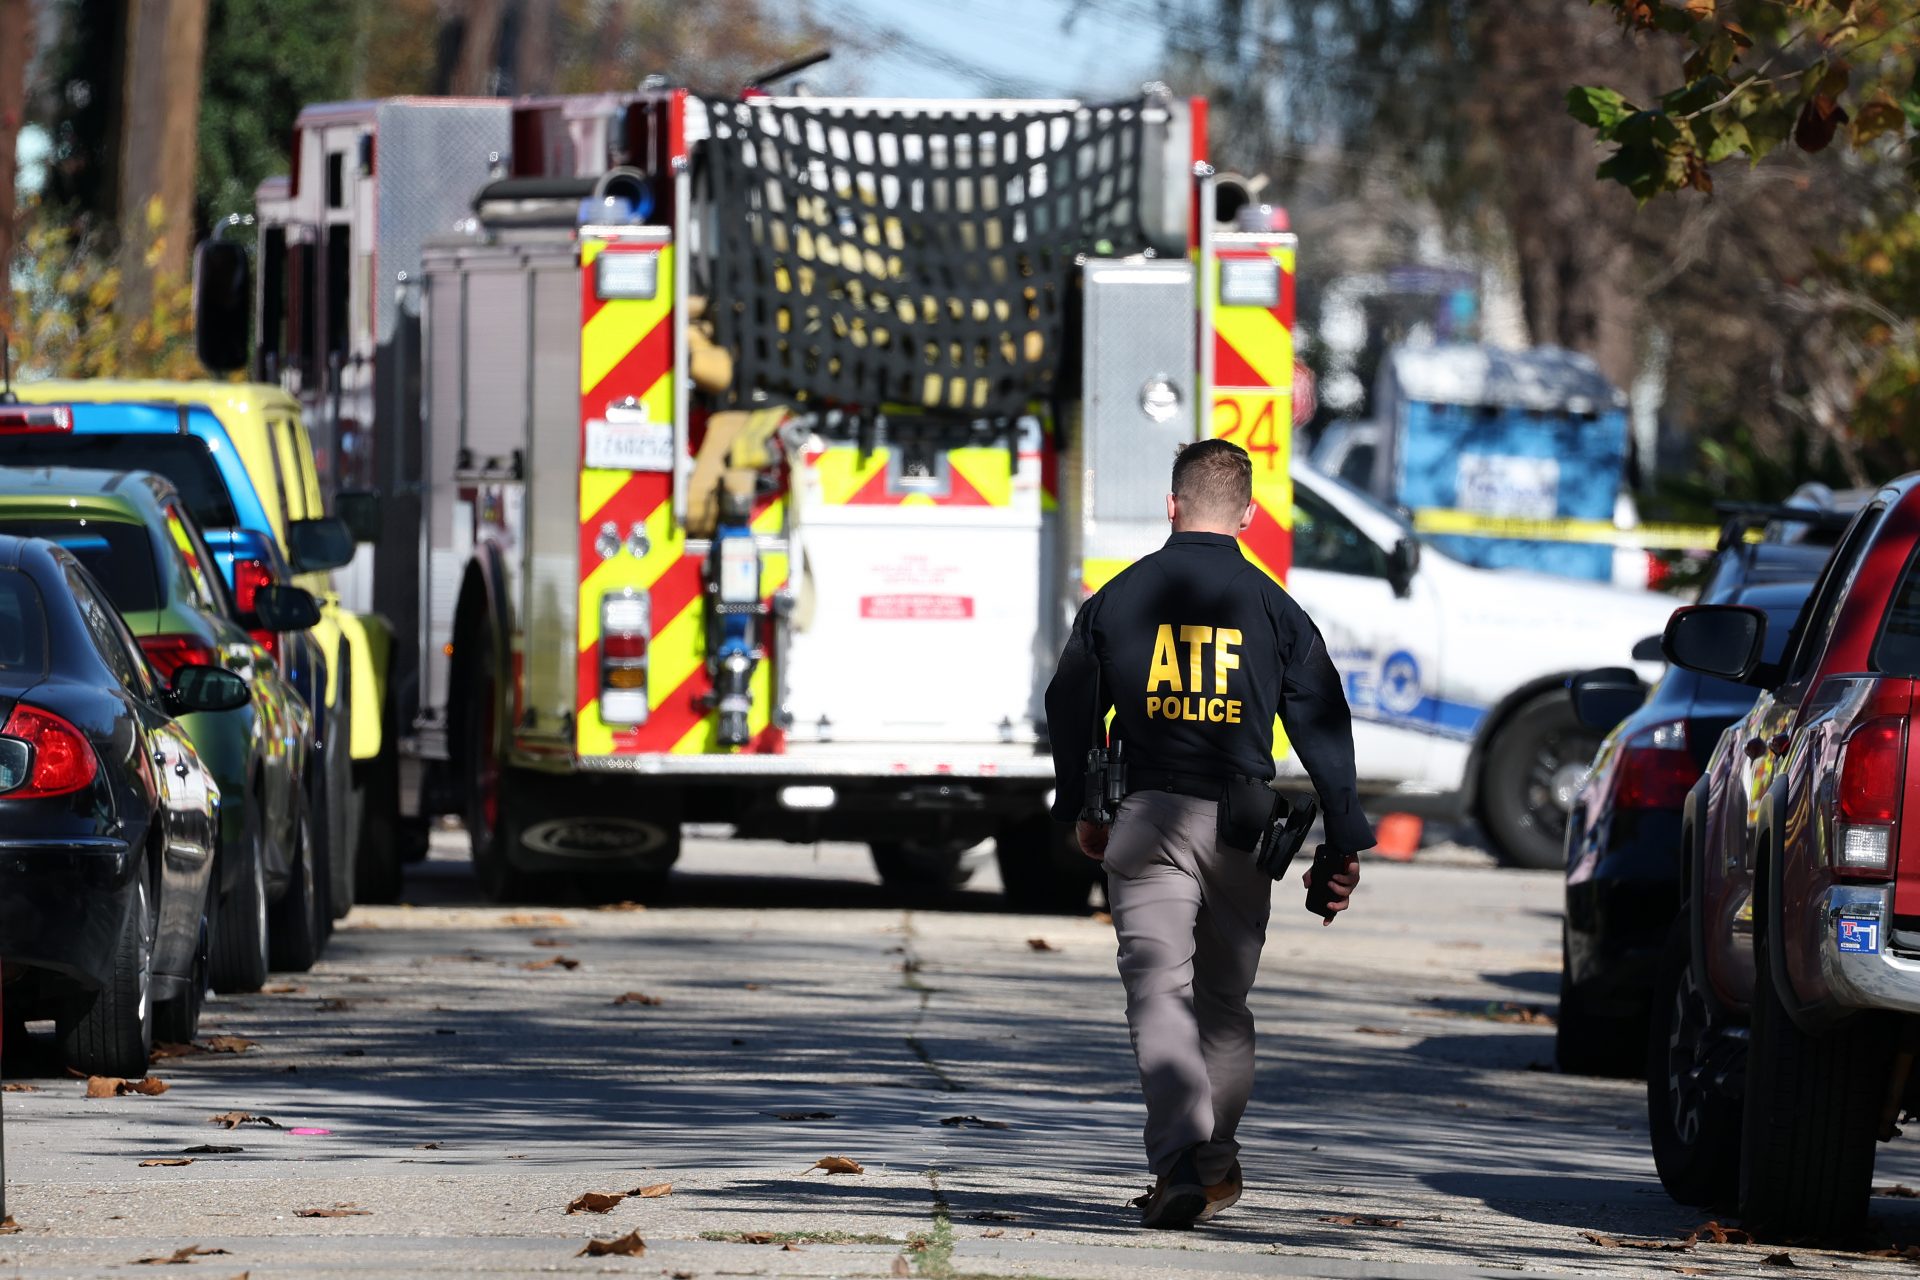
(182, 459)
(119, 555)
(1396, 514)
(23, 624)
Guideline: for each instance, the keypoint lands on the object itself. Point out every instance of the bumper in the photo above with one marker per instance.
(62, 903)
(1879, 978)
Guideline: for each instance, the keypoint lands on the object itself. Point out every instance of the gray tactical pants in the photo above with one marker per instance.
(1191, 918)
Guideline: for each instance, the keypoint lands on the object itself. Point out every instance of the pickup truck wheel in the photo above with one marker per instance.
(239, 961)
(1586, 1043)
(111, 1034)
(921, 864)
(1692, 1117)
(1811, 1117)
(1040, 869)
(297, 930)
(1535, 764)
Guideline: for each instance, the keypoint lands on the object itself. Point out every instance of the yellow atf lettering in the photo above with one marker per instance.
(1224, 658)
(1215, 709)
(1196, 639)
(1153, 706)
(1166, 666)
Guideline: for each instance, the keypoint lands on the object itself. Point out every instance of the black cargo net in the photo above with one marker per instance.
(867, 260)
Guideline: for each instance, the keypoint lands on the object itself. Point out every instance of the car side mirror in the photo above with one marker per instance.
(284, 609)
(360, 508)
(1649, 650)
(198, 687)
(1603, 698)
(1723, 640)
(222, 304)
(314, 546)
(1403, 562)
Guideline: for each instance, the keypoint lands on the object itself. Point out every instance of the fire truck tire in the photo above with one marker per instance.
(1535, 762)
(922, 864)
(1040, 870)
(1811, 1119)
(494, 806)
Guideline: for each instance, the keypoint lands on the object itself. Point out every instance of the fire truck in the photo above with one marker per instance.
(744, 460)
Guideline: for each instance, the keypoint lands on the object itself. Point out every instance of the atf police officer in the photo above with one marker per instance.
(1197, 650)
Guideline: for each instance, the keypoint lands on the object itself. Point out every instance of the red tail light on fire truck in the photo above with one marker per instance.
(1866, 806)
(626, 629)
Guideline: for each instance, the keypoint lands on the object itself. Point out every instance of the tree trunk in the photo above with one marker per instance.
(479, 49)
(533, 59)
(166, 45)
(16, 33)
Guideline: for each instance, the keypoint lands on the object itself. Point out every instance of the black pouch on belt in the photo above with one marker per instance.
(1246, 807)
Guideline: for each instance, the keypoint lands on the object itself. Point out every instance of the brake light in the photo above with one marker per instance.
(170, 653)
(23, 419)
(248, 577)
(626, 629)
(1867, 798)
(63, 759)
(1656, 769)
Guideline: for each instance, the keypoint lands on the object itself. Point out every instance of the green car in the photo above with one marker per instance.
(132, 531)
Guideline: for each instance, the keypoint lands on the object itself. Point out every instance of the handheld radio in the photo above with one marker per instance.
(1106, 775)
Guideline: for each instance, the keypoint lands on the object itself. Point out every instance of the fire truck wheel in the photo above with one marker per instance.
(1536, 762)
(1039, 868)
(493, 814)
(922, 864)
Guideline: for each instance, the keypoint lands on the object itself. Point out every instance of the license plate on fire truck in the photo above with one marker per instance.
(629, 440)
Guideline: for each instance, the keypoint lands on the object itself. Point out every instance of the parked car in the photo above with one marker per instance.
(1793, 978)
(1457, 675)
(133, 533)
(108, 819)
(241, 457)
(1623, 839)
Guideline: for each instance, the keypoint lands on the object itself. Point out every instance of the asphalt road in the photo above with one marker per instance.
(447, 1080)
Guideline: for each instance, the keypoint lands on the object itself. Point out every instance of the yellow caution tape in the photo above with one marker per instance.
(1647, 537)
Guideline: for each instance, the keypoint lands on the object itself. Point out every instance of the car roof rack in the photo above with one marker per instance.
(1737, 518)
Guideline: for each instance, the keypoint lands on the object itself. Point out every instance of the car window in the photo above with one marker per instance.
(23, 624)
(1816, 624)
(119, 555)
(123, 658)
(1357, 467)
(183, 459)
(1897, 651)
(1326, 540)
(293, 494)
(194, 566)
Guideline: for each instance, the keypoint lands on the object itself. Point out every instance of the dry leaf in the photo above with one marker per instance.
(168, 1162)
(901, 1267)
(595, 1201)
(19, 1088)
(187, 1254)
(553, 962)
(281, 989)
(1041, 944)
(536, 919)
(837, 1164)
(993, 1233)
(638, 997)
(234, 1119)
(210, 1149)
(1657, 1246)
(754, 986)
(114, 1087)
(974, 1122)
(1779, 1260)
(548, 942)
(755, 1237)
(802, 1115)
(791, 1247)
(622, 905)
(629, 1245)
(1361, 1220)
(8, 1227)
(1102, 917)
(426, 1146)
(344, 1210)
(1714, 1233)
(228, 1044)
(653, 1191)
(161, 1052)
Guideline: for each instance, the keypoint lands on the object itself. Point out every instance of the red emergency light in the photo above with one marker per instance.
(24, 419)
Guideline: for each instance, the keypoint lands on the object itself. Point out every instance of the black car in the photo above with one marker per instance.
(1623, 834)
(108, 820)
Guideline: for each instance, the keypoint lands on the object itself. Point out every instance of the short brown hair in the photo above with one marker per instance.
(1213, 479)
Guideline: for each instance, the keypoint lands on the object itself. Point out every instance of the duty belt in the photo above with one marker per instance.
(1199, 786)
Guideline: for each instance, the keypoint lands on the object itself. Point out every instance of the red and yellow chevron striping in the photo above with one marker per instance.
(1253, 389)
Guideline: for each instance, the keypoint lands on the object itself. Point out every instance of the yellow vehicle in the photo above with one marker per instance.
(243, 461)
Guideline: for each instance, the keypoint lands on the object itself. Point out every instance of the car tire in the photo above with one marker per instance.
(382, 845)
(1811, 1116)
(1693, 1116)
(337, 827)
(1534, 765)
(177, 1021)
(299, 924)
(111, 1032)
(1586, 1043)
(1040, 869)
(921, 864)
(238, 964)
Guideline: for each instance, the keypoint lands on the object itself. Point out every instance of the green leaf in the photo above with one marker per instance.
(1718, 139)
(1703, 92)
(1601, 109)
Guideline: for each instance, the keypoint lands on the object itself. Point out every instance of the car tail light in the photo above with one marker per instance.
(25, 419)
(1867, 798)
(170, 653)
(626, 629)
(63, 759)
(1656, 769)
(248, 577)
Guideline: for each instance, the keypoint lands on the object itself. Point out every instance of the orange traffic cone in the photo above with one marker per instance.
(1397, 836)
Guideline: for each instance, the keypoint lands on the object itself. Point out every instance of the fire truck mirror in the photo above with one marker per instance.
(359, 510)
(222, 295)
(315, 546)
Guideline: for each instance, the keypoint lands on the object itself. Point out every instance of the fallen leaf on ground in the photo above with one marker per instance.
(901, 1267)
(19, 1088)
(837, 1164)
(1779, 1260)
(1102, 917)
(114, 1087)
(1906, 1252)
(282, 989)
(161, 1052)
(553, 962)
(637, 997)
(653, 1191)
(1657, 1246)
(801, 1115)
(1714, 1233)
(187, 1254)
(1508, 1011)
(1899, 1191)
(994, 1233)
(790, 1247)
(228, 1044)
(337, 1211)
(629, 1245)
(535, 919)
(974, 1122)
(426, 1146)
(167, 1162)
(754, 1237)
(548, 942)
(595, 1201)
(622, 905)
(211, 1149)
(8, 1227)
(1041, 944)
(754, 986)
(1361, 1220)
(234, 1119)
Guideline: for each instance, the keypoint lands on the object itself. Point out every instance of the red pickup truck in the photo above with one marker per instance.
(1787, 1019)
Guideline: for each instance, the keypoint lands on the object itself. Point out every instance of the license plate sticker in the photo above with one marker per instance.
(1858, 936)
(626, 440)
